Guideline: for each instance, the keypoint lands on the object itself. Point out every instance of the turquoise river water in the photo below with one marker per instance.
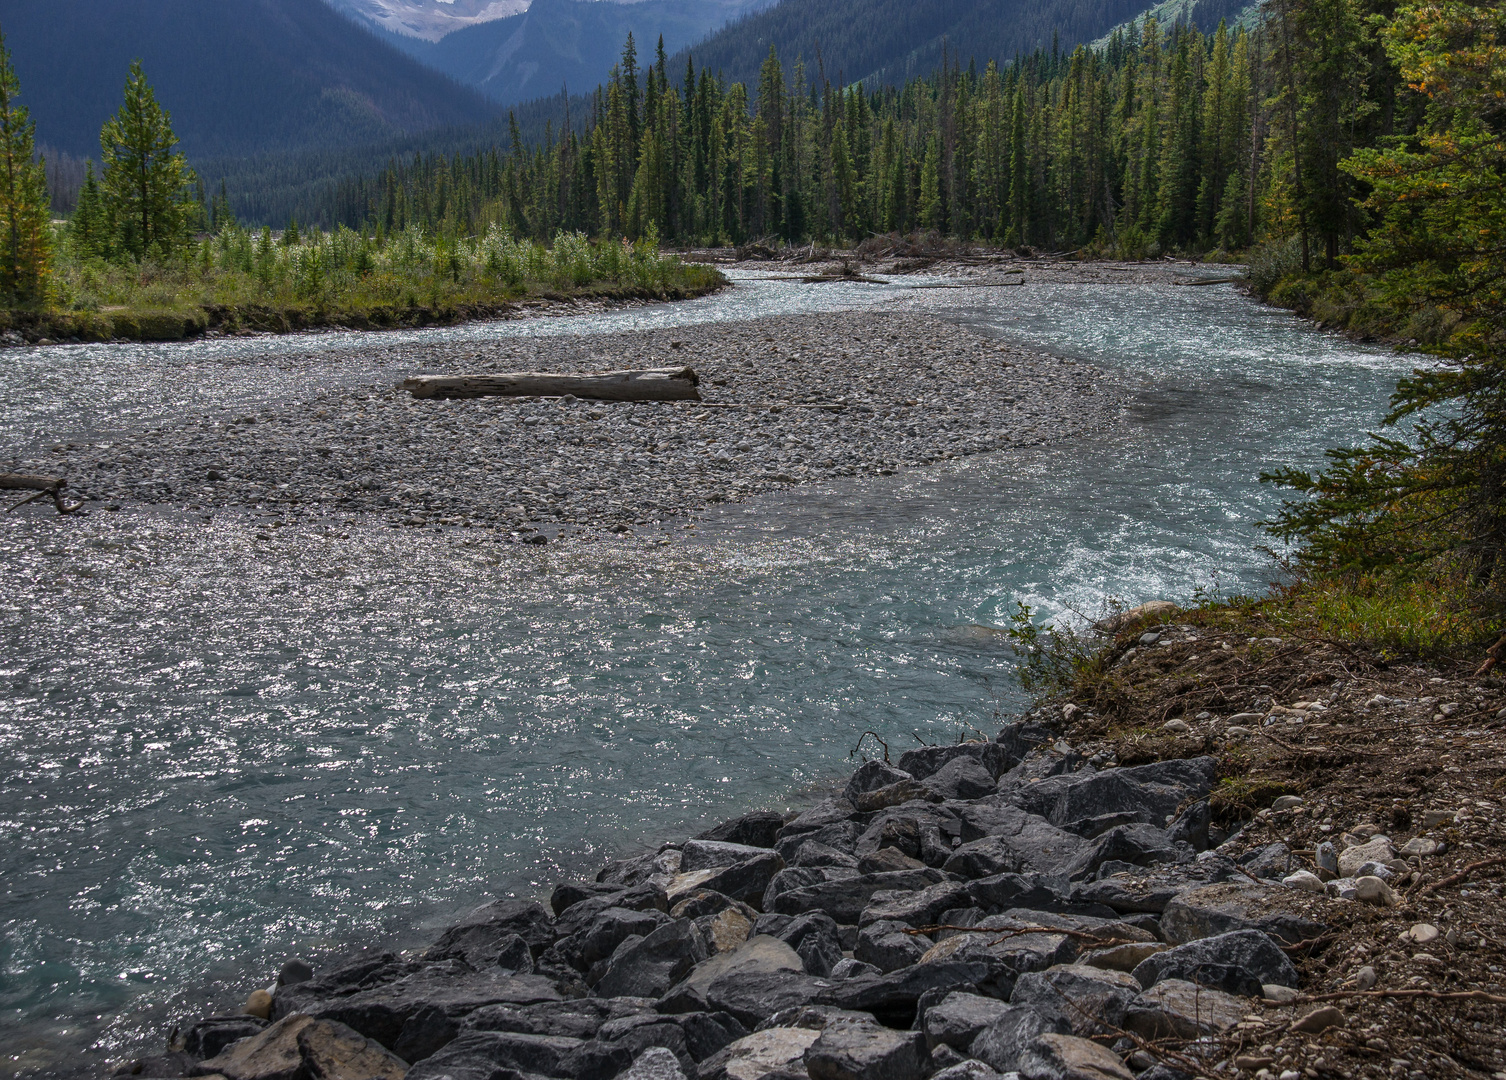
(213, 757)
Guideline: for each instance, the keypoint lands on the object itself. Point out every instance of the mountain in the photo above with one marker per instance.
(571, 43)
(430, 20)
(889, 41)
(238, 77)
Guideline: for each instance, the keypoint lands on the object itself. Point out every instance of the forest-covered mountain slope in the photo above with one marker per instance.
(237, 77)
(572, 43)
(890, 41)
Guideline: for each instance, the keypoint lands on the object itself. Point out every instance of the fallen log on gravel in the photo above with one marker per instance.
(44, 486)
(656, 384)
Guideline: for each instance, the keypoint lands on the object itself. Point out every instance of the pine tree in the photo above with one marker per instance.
(25, 208)
(147, 185)
(88, 228)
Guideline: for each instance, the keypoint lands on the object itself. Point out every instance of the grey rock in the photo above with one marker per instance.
(578, 1018)
(658, 867)
(960, 1018)
(850, 968)
(813, 853)
(751, 996)
(1015, 842)
(334, 1052)
(845, 899)
(655, 1063)
(888, 860)
(769, 1053)
(966, 1070)
(892, 997)
(888, 947)
(610, 929)
(928, 760)
(1270, 861)
(922, 908)
(270, 1054)
(710, 854)
(1135, 845)
(1090, 1001)
(746, 881)
(1150, 792)
(757, 829)
(859, 1051)
(648, 968)
(1236, 905)
(1236, 963)
(486, 946)
(1002, 1043)
(569, 893)
(431, 996)
(815, 938)
(293, 972)
(209, 1036)
(758, 954)
(522, 917)
(871, 776)
(1066, 1057)
(708, 902)
(840, 836)
(1150, 892)
(1039, 892)
(1176, 1009)
(962, 778)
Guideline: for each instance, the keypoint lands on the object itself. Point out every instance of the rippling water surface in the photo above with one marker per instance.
(215, 754)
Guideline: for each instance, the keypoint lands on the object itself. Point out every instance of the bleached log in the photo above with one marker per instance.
(44, 486)
(655, 384)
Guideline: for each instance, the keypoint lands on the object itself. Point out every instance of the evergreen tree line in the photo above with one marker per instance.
(1167, 138)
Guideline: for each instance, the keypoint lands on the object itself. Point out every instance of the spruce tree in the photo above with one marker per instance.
(148, 186)
(25, 208)
(88, 228)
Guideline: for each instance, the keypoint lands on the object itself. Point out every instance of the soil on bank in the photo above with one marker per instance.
(1408, 749)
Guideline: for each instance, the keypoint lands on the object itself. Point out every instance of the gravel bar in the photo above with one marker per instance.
(788, 399)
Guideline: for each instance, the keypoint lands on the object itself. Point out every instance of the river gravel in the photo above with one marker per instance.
(788, 399)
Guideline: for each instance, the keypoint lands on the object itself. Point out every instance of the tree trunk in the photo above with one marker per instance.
(658, 384)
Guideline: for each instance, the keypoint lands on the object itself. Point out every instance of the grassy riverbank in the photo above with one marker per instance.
(239, 281)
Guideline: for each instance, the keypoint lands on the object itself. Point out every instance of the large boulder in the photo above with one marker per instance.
(271, 1054)
(866, 1051)
(814, 937)
(1176, 1009)
(893, 997)
(887, 945)
(838, 836)
(917, 908)
(1020, 947)
(577, 1018)
(961, 778)
(746, 881)
(1237, 963)
(959, 1018)
(926, 761)
(1148, 794)
(1130, 889)
(1015, 842)
(871, 776)
(609, 930)
(1065, 1057)
(656, 867)
(411, 1009)
(207, 1037)
(760, 954)
(1133, 845)
(763, 1053)
(710, 854)
(1236, 905)
(334, 1052)
(1004, 1040)
(655, 1063)
(757, 829)
(649, 967)
(1090, 1001)
(753, 996)
(845, 899)
(524, 918)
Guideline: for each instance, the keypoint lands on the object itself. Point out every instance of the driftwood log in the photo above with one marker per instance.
(44, 487)
(656, 384)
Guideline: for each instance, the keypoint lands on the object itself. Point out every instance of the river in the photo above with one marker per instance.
(213, 757)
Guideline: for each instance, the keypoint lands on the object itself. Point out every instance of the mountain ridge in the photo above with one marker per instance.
(237, 78)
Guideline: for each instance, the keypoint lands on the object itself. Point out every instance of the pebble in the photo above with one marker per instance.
(1177, 727)
(1421, 934)
(1287, 802)
(1372, 890)
(259, 1003)
(1319, 1020)
(504, 462)
(1237, 732)
(1305, 880)
(1278, 993)
(1364, 978)
(1420, 845)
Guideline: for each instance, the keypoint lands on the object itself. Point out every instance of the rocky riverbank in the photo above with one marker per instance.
(1088, 895)
(787, 399)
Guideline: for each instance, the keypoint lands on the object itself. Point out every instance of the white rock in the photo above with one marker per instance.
(1288, 802)
(1378, 849)
(1342, 888)
(1420, 845)
(1421, 934)
(1178, 727)
(1276, 992)
(1305, 880)
(1237, 732)
(1246, 717)
(1372, 890)
(1364, 978)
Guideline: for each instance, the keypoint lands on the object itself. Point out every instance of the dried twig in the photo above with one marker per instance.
(1454, 879)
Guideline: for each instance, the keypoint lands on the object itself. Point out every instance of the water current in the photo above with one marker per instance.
(213, 757)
